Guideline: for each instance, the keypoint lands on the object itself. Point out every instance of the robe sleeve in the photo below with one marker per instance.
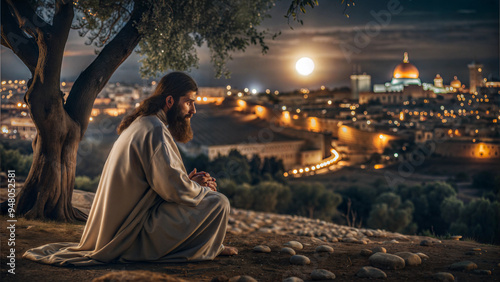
(167, 177)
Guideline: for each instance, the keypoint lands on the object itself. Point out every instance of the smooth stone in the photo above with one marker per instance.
(288, 250)
(410, 258)
(379, 250)
(294, 245)
(242, 278)
(472, 253)
(423, 256)
(324, 249)
(456, 237)
(476, 249)
(463, 265)
(293, 279)
(322, 274)
(444, 276)
(482, 271)
(371, 272)
(366, 252)
(425, 243)
(386, 261)
(262, 249)
(300, 260)
(334, 240)
(350, 240)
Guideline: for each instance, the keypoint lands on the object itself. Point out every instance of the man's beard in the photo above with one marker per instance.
(179, 125)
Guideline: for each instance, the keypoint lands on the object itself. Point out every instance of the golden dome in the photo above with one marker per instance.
(456, 83)
(405, 69)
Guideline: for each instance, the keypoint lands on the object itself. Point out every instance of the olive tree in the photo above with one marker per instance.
(164, 32)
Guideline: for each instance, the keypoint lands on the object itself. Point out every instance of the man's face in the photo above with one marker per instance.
(179, 117)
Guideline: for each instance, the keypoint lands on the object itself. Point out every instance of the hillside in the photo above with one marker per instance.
(248, 229)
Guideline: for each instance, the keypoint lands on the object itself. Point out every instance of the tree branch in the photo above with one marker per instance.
(28, 20)
(63, 18)
(93, 79)
(15, 39)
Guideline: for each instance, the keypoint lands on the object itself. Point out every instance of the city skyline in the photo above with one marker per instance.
(441, 37)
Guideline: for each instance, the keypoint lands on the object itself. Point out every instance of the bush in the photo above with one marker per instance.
(480, 220)
(389, 213)
(314, 201)
(12, 159)
(85, 183)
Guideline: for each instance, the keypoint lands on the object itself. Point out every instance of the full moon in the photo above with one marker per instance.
(304, 66)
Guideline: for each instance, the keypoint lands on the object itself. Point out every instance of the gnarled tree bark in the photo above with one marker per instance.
(48, 189)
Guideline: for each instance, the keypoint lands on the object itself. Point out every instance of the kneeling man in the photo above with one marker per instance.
(147, 208)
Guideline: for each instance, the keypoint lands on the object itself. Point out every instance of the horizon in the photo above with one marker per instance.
(335, 43)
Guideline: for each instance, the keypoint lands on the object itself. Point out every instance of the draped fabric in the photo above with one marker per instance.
(146, 208)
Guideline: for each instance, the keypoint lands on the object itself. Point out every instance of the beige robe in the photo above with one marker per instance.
(146, 208)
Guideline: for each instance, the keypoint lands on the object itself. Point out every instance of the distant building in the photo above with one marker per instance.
(438, 81)
(455, 84)
(487, 149)
(475, 76)
(212, 91)
(360, 83)
(404, 74)
(410, 92)
(22, 126)
(218, 131)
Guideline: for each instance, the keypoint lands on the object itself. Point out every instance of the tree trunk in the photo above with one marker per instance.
(311, 211)
(48, 189)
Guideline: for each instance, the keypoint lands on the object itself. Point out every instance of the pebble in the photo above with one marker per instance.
(294, 245)
(444, 276)
(425, 243)
(482, 271)
(463, 265)
(386, 261)
(242, 278)
(293, 279)
(324, 249)
(411, 259)
(379, 250)
(322, 274)
(366, 252)
(300, 260)
(262, 249)
(423, 256)
(350, 240)
(287, 250)
(456, 237)
(476, 249)
(371, 272)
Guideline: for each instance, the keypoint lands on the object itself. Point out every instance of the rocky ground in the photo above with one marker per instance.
(274, 248)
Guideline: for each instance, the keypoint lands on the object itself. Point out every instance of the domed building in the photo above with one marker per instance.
(455, 83)
(405, 73)
(438, 81)
(405, 85)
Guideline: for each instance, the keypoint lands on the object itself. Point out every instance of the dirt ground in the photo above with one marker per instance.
(275, 266)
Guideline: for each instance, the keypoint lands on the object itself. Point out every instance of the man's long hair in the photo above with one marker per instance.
(175, 84)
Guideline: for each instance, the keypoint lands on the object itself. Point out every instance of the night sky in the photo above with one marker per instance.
(440, 36)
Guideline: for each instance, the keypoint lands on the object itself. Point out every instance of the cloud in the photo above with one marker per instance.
(466, 11)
